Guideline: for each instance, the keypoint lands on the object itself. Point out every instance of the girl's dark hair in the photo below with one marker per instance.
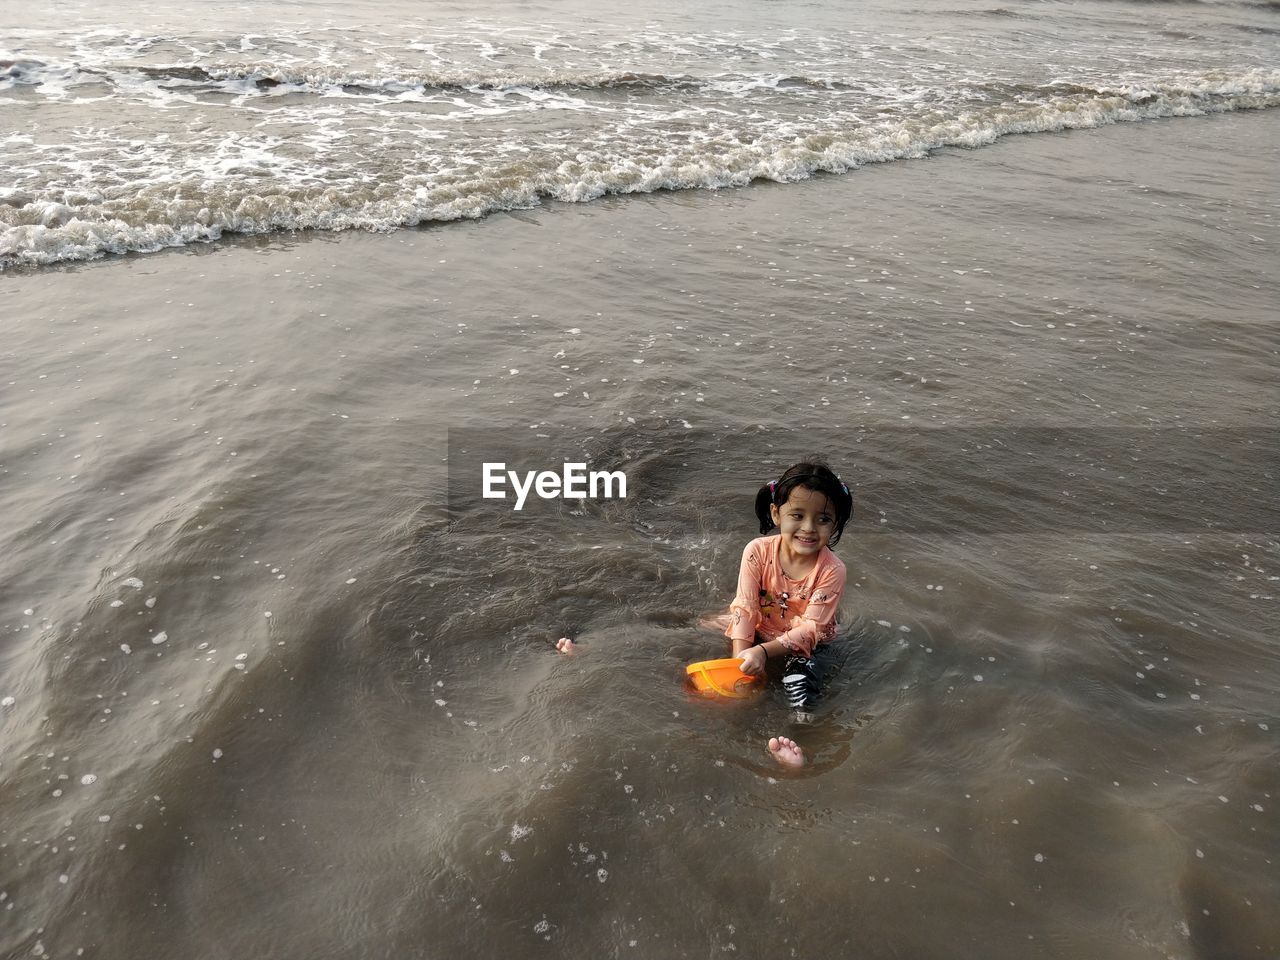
(813, 475)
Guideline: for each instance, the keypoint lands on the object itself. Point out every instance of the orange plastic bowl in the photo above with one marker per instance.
(722, 678)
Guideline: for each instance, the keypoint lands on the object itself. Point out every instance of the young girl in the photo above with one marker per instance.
(789, 587)
(790, 584)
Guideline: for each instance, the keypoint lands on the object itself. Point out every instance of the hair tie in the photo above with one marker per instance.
(773, 490)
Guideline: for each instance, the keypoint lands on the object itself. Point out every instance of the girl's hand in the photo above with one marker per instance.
(753, 660)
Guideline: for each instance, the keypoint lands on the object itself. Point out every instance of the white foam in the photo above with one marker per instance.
(349, 155)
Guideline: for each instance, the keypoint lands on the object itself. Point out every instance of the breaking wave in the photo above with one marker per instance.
(189, 200)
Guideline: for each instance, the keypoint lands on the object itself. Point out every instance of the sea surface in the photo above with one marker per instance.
(277, 681)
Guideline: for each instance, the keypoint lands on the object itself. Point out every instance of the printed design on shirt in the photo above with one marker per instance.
(826, 631)
(768, 603)
(785, 605)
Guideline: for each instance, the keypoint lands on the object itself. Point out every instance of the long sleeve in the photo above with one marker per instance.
(818, 622)
(744, 611)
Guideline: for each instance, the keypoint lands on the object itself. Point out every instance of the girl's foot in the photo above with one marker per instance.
(786, 752)
(566, 646)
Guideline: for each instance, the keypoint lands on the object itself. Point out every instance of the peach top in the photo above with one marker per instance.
(800, 613)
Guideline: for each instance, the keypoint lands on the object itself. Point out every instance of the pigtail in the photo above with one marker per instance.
(844, 509)
(764, 500)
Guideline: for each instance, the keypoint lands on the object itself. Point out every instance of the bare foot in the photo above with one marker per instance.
(786, 752)
(566, 646)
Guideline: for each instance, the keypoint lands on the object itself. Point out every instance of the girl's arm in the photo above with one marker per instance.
(818, 622)
(744, 611)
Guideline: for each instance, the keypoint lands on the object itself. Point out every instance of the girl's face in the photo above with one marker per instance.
(807, 521)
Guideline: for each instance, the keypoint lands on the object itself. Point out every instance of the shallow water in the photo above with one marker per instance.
(1053, 729)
